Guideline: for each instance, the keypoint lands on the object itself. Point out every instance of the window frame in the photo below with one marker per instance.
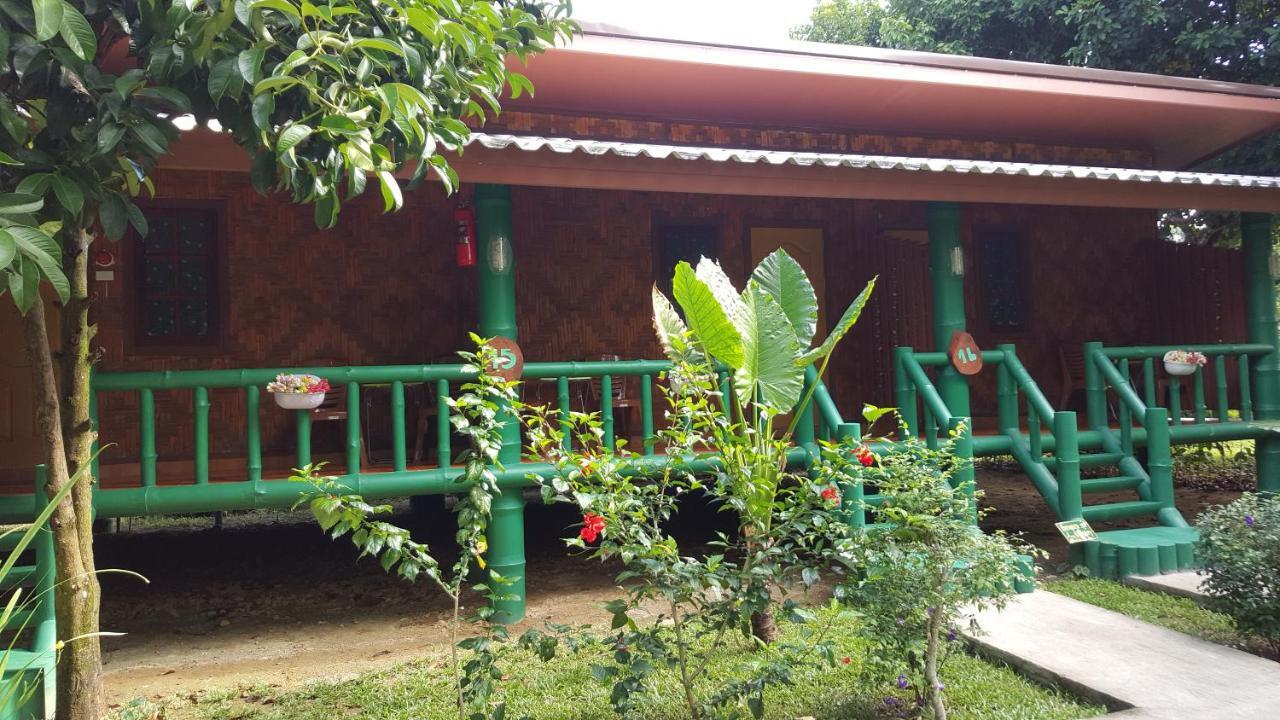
(658, 237)
(135, 264)
(1025, 266)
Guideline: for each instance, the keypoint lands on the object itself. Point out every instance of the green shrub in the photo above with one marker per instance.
(1240, 548)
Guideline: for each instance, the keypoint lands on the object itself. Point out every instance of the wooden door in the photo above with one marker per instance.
(803, 244)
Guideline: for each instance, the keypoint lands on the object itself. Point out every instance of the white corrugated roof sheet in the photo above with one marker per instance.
(563, 145)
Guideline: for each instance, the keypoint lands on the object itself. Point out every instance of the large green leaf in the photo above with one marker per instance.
(672, 332)
(8, 249)
(769, 374)
(68, 193)
(782, 277)
(710, 273)
(44, 251)
(707, 319)
(77, 34)
(48, 17)
(19, 203)
(847, 321)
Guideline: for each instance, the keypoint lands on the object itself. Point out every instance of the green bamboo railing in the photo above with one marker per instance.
(256, 491)
(925, 414)
(1220, 358)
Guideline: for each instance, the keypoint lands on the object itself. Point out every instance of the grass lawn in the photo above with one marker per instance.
(1176, 613)
(564, 690)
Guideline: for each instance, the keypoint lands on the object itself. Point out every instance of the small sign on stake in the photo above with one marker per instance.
(1076, 531)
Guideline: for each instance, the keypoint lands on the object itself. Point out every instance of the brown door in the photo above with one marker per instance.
(803, 244)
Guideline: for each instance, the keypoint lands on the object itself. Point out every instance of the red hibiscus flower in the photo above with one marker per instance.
(865, 456)
(592, 527)
(830, 495)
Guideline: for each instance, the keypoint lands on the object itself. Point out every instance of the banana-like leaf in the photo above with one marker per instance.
(673, 334)
(846, 322)
(706, 317)
(769, 374)
(783, 278)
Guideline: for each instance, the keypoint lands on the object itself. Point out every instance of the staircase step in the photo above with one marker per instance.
(1109, 484)
(1142, 551)
(1089, 460)
(1120, 510)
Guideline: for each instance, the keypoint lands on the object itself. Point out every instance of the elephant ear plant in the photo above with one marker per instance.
(764, 336)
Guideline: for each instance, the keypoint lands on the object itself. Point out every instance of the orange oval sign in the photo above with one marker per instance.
(965, 355)
(509, 362)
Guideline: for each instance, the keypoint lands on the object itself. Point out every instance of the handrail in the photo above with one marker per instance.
(1119, 382)
(1219, 356)
(1137, 352)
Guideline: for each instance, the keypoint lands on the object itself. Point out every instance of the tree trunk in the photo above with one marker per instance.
(933, 684)
(764, 627)
(77, 594)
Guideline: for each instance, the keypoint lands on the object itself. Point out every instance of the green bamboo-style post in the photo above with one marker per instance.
(1260, 310)
(1246, 392)
(1095, 391)
(1159, 456)
(444, 435)
(562, 402)
(905, 392)
(147, 439)
(1197, 389)
(1175, 400)
(1007, 395)
(1034, 433)
(200, 403)
(946, 276)
(1067, 453)
(852, 493)
(252, 436)
(399, 453)
(497, 285)
(962, 430)
(1220, 381)
(353, 427)
(302, 424)
(606, 410)
(1149, 382)
(646, 414)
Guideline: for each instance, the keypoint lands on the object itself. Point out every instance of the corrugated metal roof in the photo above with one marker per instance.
(564, 145)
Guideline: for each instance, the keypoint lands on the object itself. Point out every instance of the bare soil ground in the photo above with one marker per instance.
(270, 600)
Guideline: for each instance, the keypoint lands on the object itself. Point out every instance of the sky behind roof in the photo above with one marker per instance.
(723, 20)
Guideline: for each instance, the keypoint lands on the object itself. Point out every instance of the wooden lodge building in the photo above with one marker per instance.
(1034, 189)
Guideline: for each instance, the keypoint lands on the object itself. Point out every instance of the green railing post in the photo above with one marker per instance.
(965, 477)
(905, 390)
(646, 414)
(1220, 383)
(252, 437)
(852, 493)
(606, 411)
(1007, 394)
(497, 285)
(946, 276)
(147, 439)
(444, 429)
(399, 453)
(200, 401)
(562, 403)
(1246, 393)
(1197, 389)
(353, 429)
(1160, 459)
(1095, 392)
(303, 427)
(1260, 305)
(1067, 452)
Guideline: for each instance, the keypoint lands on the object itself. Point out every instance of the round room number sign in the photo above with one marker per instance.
(509, 362)
(965, 355)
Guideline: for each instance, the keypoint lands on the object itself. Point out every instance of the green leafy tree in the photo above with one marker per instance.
(1237, 41)
(325, 96)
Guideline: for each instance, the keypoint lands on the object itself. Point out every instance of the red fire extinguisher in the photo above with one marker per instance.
(464, 221)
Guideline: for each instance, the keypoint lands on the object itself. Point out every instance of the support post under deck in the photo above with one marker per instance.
(1260, 308)
(497, 284)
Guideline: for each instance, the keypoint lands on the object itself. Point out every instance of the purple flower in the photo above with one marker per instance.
(902, 682)
(951, 636)
(901, 622)
(891, 701)
(942, 686)
(1248, 520)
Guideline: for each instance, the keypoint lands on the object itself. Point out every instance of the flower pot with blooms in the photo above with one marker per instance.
(298, 392)
(1183, 362)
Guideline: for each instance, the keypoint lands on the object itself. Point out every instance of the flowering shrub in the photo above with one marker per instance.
(1240, 548)
(927, 568)
(300, 384)
(1186, 357)
(703, 600)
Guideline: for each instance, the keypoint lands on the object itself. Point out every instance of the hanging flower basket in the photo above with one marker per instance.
(1183, 362)
(298, 392)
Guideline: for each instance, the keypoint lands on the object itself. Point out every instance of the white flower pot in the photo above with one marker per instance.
(299, 401)
(1180, 368)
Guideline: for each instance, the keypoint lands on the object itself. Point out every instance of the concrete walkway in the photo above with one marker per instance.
(1183, 584)
(1149, 672)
